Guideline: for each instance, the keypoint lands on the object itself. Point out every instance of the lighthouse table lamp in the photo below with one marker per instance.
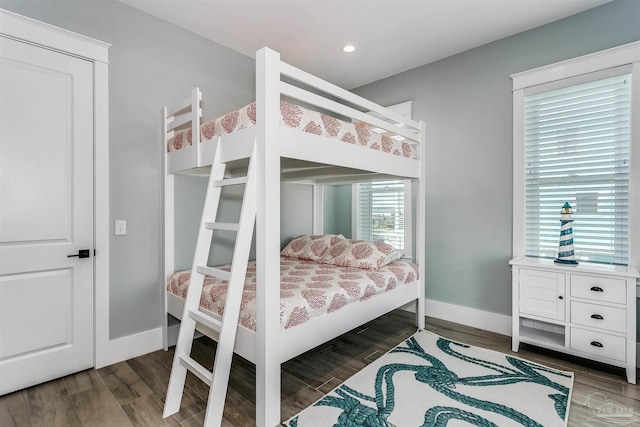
(565, 250)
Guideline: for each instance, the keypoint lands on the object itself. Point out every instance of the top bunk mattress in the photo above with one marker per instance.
(308, 289)
(296, 117)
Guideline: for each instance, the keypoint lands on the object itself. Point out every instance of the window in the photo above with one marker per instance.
(382, 210)
(577, 151)
(573, 143)
(383, 213)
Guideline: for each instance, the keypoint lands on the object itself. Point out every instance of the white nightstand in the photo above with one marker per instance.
(588, 310)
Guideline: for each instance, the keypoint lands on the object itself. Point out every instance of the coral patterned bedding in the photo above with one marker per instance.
(308, 289)
(296, 117)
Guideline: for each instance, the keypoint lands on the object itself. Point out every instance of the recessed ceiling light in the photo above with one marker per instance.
(349, 48)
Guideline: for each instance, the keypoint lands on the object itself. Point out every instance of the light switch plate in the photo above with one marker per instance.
(121, 227)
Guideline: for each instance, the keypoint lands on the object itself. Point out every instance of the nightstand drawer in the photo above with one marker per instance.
(598, 343)
(598, 288)
(598, 316)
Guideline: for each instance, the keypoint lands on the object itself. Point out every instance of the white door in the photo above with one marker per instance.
(46, 214)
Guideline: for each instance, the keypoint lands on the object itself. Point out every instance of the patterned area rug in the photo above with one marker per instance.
(432, 381)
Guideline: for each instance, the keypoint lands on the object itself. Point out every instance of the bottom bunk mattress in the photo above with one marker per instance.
(308, 289)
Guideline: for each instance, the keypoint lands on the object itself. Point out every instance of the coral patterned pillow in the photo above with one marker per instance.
(361, 254)
(311, 247)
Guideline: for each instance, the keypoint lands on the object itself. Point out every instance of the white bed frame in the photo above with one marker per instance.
(305, 157)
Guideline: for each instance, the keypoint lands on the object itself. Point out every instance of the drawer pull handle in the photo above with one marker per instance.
(597, 316)
(596, 289)
(596, 344)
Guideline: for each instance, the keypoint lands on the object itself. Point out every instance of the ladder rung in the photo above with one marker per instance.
(215, 272)
(206, 320)
(198, 370)
(222, 226)
(230, 181)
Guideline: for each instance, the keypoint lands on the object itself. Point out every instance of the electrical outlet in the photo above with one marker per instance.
(121, 227)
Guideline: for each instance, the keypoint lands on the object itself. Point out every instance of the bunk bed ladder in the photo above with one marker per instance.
(217, 379)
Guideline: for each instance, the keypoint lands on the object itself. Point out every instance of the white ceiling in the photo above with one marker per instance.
(391, 36)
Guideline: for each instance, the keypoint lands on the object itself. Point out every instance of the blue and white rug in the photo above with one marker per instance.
(432, 381)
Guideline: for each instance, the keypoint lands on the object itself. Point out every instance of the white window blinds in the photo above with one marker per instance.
(380, 215)
(577, 150)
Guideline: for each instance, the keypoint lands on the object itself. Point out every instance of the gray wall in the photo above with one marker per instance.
(296, 217)
(467, 105)
(337, 210)
(465, 99)
(153, 64)
(296, 212)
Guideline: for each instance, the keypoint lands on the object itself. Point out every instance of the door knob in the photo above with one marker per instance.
(82, 253)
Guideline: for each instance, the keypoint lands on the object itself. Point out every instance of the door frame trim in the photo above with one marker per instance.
(38, 33)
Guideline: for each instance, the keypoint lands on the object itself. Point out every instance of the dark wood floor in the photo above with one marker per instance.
(131, 393)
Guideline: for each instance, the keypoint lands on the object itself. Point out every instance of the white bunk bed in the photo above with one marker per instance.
(286, 153)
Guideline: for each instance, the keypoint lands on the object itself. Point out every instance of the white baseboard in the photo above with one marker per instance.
(489, 321)
(132, 346)
(498, 323)
(494, 322)
(149, 341)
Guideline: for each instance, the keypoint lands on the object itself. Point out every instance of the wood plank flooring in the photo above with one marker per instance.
(131, 393)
